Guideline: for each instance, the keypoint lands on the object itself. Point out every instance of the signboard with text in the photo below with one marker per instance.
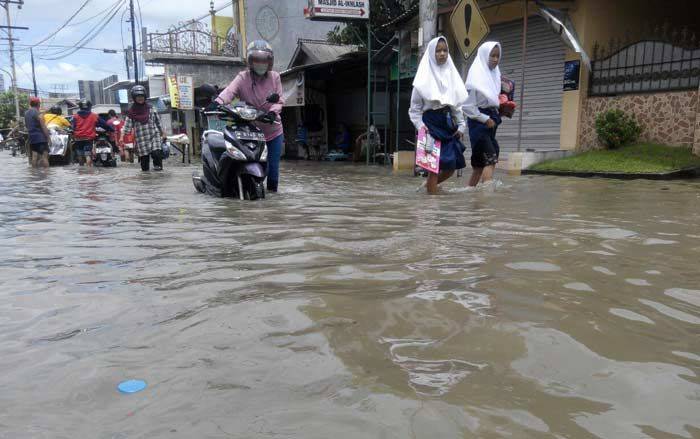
(173, 91)
(572, 74)
(337, 10)
(294, 93)
(186, 92)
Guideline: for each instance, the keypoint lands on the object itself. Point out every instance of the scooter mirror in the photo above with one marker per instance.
(273, 98)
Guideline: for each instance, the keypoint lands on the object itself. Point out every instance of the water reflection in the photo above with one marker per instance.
(347, 305)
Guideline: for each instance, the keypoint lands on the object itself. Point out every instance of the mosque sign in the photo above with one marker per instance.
(335, 10)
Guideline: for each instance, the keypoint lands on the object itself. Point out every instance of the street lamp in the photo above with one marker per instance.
(12, 78)
(8, 73)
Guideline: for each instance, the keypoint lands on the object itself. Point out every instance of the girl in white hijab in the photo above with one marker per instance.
(481, 108)
(436, 101)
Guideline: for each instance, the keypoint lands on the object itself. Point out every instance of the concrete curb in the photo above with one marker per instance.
(673, 175)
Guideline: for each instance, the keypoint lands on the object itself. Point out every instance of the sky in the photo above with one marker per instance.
(43, 17)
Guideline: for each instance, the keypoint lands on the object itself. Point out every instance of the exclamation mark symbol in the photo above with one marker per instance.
(467, 23)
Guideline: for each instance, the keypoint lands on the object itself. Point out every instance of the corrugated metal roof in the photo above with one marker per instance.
(319, 52)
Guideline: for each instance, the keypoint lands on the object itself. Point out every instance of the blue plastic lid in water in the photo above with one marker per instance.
(131, 386)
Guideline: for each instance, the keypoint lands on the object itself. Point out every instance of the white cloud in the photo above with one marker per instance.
(66, 67)
(62, 73)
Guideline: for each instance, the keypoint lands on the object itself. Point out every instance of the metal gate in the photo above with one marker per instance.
(544, 75)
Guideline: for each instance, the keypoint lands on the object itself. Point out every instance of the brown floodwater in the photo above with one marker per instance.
(347, 306)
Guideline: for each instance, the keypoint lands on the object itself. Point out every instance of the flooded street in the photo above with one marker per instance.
(347, 306)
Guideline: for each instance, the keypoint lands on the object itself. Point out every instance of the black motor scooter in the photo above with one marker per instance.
(234, 161)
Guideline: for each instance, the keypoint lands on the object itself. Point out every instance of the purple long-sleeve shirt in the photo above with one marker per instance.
(254, 90)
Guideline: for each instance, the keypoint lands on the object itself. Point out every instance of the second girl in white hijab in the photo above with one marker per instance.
(436, 101)
(484, 85)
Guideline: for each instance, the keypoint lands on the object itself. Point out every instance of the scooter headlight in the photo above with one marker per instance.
(263, 156)
(248, 113)
(235, 152)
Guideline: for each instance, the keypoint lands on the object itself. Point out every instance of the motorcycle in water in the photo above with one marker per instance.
(104, 152)
(234, 161)
(17, 142)
(59, 146)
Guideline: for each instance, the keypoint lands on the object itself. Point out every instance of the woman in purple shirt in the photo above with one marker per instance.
(253, 86)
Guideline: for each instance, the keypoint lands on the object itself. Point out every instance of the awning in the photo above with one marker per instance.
(562, 25)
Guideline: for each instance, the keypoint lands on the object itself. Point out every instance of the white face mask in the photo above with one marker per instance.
(260, 68)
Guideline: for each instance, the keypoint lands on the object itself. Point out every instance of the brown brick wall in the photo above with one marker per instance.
(669, 118)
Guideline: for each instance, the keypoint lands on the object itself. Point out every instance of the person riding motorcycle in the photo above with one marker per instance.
(147, 130)
(54, 118)
(85, 124)
(254, 86)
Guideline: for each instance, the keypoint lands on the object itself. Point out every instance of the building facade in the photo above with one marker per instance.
(645, 61)
(95, 92)
(282, 24)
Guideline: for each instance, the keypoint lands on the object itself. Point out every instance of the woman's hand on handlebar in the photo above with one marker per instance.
(269, 117)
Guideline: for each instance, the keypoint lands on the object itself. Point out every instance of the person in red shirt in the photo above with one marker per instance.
(117, 124)
(85, 124)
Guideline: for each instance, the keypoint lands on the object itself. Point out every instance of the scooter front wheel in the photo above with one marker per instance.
(259, 191)
(252, 189)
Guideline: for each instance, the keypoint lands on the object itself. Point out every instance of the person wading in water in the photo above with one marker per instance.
(484, 86)
(436, 101)
(253, 86)
(148, 134)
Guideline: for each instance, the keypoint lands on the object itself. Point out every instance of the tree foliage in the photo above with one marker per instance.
(7, 107)
(355, 31)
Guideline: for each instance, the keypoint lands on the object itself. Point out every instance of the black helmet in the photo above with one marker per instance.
(138, 90)
(56, 110)
(260, 51)
(84, 104)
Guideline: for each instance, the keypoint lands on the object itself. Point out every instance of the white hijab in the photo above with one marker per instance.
(441, 83)
(482, 78)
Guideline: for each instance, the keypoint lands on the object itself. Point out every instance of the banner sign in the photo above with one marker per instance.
(572, 73)
(293, 90)
(185, 91)
(172, 90)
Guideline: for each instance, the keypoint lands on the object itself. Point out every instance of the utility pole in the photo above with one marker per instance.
(6, 4)
(133, 40)
(369, 86)
(428, 22)
(522, 78)
(31, 51)
(126, 61)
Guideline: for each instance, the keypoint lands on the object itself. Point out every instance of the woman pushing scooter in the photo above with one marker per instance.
(254, 86)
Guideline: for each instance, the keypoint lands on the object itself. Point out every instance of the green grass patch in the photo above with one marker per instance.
(636, 159)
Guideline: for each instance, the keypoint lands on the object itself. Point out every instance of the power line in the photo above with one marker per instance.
(121, 27)
(61, 27)
(89, 36)
(62, 46)
(94, 16)
(82, 42)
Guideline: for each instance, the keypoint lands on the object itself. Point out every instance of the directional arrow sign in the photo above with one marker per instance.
(338, 9)
(469, 26)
